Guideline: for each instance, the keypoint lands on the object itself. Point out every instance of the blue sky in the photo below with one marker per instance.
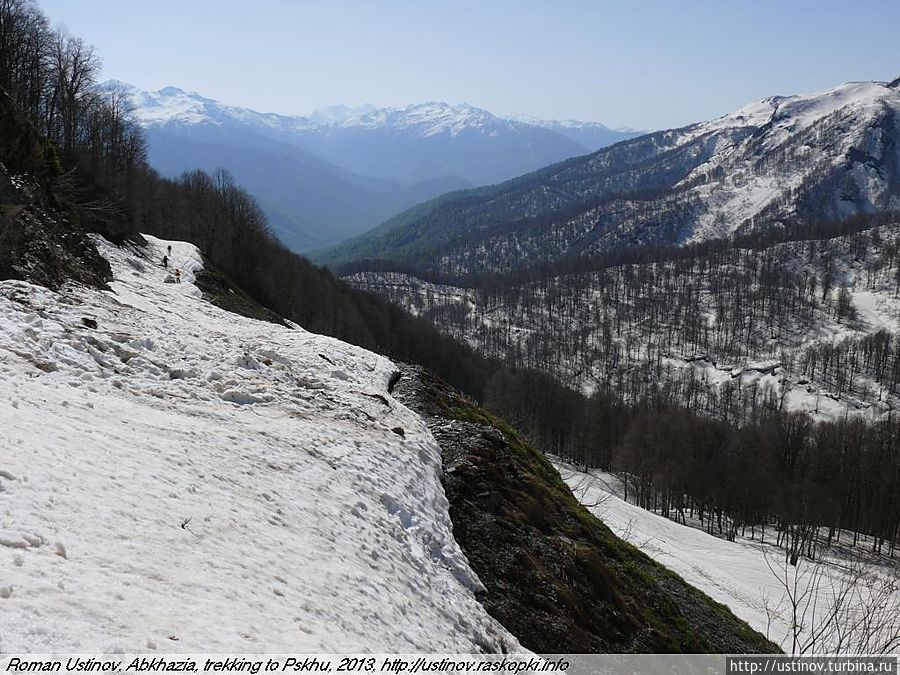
(638, 64)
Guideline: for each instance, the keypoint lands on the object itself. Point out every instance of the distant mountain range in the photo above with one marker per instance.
(340, 171)
(803, 158)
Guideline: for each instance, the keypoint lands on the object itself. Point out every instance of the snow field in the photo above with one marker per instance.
(180, 478)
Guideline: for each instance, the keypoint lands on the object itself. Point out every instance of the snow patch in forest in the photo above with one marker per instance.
(744, 574)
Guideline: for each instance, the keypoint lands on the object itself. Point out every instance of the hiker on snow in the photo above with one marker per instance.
(166, 261)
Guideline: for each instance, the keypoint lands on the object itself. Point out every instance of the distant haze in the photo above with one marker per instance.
(647, 65)
(337, 173)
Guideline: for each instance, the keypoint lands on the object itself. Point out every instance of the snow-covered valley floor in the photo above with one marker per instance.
(180, 478)
(843, 604)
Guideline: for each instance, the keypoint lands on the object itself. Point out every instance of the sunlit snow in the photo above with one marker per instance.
(180, 478)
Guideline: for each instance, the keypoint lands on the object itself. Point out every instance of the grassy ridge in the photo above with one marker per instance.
(556, 576)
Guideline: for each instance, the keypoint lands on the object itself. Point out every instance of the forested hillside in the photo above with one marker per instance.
(705, 370)
(809, 325)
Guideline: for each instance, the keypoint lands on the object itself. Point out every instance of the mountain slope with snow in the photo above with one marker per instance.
(340, 171)
(808, 158)
(423, 141)
(175, 477)
(809, 324)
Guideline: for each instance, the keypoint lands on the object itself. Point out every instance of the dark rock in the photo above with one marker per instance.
(381, 399)
(220, 290)
(392, 382)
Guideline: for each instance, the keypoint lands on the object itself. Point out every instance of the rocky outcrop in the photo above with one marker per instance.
(555, 576)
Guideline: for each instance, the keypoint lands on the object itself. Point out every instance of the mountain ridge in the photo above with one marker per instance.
(174, 104)
(823, 156)
(336, 173)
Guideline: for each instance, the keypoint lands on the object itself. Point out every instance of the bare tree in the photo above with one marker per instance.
(832, 609)
(73, 68)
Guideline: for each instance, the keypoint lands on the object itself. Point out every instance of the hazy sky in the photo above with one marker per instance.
(637, 63)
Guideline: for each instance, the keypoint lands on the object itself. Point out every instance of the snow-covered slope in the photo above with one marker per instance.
(833, 596)
(806, 158)
(851, 129)
(769, 323)
(175, 477)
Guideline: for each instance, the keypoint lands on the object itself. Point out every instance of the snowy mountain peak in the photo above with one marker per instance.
(168, 105)
(802, 110)
(427, 119)
(117, 85)
(571, 124)
(334, 114)
(174, 105)
(173, 91)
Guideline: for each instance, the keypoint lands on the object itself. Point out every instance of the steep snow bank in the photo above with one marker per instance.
(182, 478)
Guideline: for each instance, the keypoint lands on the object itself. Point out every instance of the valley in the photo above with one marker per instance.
(337, 173)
